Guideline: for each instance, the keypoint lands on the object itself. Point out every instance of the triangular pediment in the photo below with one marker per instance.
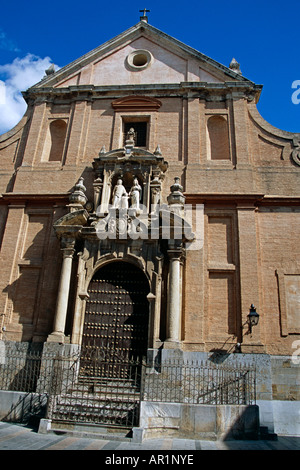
(141, 55)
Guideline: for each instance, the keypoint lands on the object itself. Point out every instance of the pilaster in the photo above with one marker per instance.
(193, 131)
(10, 254)
(249, 276)
(241, 129)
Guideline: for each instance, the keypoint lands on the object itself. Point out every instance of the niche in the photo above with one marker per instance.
(218, 140)
(57, 136)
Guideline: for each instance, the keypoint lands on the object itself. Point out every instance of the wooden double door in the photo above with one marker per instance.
(116, 318)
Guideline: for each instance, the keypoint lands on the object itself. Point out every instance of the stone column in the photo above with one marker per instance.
(174, 300)
(81, 296)
(58, 334)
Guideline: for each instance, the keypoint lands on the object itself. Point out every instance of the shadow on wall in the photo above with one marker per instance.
(21, 407)
(242, 426)
(32, 296)
(33, 293)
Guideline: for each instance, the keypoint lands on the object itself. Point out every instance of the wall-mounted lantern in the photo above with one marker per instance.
(253, 317)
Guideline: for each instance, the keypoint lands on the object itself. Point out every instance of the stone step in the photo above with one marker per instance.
(85, 412)
(105, 413)
(98, 400)
(265, 435)
(73, 400)
(93, 431)
(100, 393)
(99, 387)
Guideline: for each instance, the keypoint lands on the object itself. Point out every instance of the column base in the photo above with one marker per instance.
(56, 337)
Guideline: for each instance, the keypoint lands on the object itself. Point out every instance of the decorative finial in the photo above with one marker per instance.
(102, 151)
(144, 17)
(78, 198)
(176, 197)
(50, 70)
(158, 151)
(235, 66)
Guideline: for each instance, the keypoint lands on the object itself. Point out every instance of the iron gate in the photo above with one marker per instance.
(110, 398)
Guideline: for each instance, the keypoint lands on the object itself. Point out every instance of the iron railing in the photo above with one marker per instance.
(200, 382)
(20, 370)
(87, 388)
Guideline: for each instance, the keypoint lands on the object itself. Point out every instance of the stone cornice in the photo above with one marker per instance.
(202, 90)
(242, 199)
(223, 198)
(23, 198)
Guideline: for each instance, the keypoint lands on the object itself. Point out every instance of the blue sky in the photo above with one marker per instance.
(263, 36)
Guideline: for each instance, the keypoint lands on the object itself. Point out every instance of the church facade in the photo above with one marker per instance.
(147, 209)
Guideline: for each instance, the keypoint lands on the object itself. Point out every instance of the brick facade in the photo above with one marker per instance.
(247, 177)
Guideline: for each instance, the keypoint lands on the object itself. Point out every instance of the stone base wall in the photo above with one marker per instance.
(199, 421)
(22, 407)
(280, 416)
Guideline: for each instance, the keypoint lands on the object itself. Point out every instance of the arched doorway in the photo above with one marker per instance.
(115, 330)
(105, 388)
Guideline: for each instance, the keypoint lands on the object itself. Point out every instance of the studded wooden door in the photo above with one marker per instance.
(116, 317)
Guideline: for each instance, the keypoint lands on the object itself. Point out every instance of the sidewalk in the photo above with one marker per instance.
(20, 437)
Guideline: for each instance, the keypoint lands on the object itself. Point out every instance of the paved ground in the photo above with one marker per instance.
(19, 437)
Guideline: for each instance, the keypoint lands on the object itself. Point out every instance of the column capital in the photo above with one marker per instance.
(67, 252)
(176, 251)
(67, 246)
(176, 255)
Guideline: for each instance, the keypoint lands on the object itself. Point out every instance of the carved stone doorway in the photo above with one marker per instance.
(115, 331)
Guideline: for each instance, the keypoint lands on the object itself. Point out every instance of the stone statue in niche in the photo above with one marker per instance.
(131, 135)
(155, 197)
(120, 196)
(135, 194)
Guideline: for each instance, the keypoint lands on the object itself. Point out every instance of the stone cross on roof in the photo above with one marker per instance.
(144, 17)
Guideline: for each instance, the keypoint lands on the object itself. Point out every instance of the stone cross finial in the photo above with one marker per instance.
(144, 17)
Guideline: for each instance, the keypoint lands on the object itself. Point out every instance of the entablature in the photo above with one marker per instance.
(202, 90)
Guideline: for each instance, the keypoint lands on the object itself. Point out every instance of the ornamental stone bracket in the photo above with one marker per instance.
(296, 152)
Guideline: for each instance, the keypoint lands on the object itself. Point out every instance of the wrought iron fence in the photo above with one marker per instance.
(200, 382)
(19, 370)
(87, 388)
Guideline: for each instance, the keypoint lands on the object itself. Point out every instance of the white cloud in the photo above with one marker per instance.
(18, 76)
(6, 43)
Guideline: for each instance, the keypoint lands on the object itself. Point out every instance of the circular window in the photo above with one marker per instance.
(139, 60)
